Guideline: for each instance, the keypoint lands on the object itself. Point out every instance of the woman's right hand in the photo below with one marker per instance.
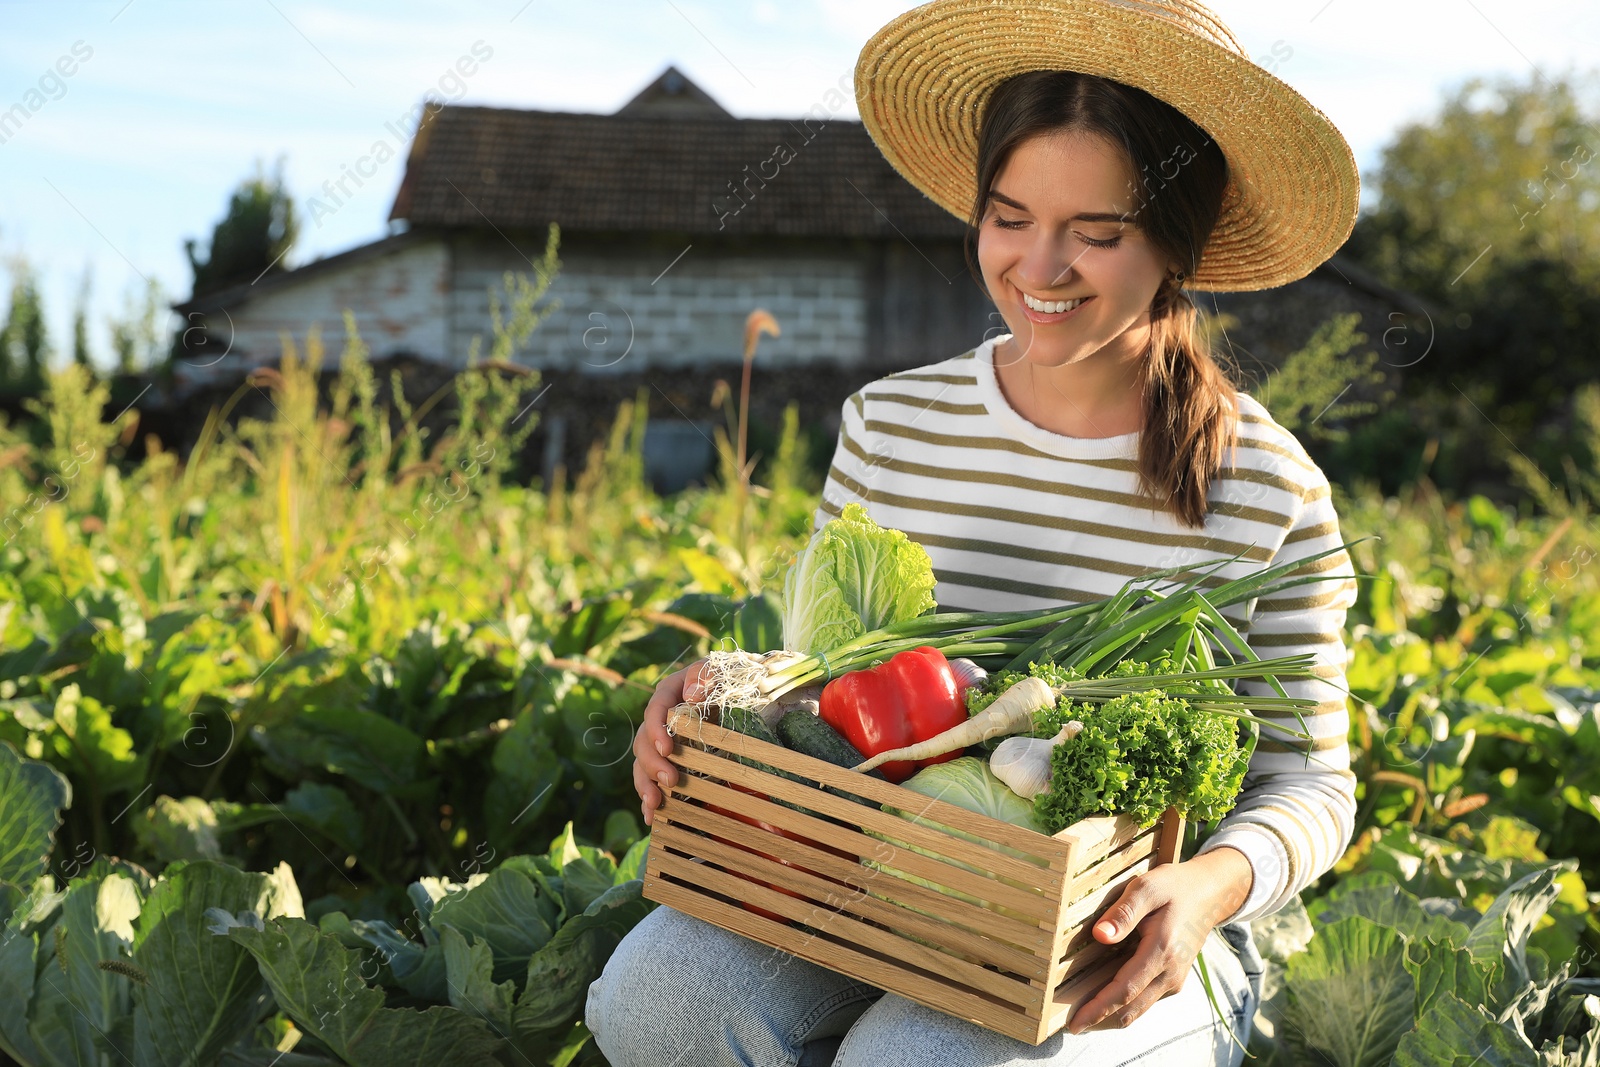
(653, 773)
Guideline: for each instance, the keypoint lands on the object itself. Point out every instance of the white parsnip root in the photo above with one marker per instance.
(1011, 713)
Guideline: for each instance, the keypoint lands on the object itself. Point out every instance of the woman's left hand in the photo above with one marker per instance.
(1172, 908)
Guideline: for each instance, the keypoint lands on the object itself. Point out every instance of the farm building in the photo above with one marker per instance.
(676, 219)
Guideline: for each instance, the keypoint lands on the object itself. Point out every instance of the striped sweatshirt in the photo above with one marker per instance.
(1015, 516)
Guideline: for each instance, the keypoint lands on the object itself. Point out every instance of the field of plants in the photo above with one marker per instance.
(315, 743)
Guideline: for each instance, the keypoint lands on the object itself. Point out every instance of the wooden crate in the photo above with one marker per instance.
(1019, 967)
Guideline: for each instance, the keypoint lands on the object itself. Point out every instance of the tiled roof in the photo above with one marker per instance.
(476, 166)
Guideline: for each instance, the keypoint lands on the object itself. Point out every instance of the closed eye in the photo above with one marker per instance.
(1017, 224)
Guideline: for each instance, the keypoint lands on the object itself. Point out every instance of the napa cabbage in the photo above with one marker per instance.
(851, 578)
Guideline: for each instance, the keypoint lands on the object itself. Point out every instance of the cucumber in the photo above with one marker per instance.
(751, 724)
(745, 721)
(807, 733)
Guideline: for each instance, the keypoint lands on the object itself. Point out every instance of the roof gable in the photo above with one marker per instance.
(673, 95)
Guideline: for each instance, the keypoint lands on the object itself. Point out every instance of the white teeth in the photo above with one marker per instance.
(1051, 306)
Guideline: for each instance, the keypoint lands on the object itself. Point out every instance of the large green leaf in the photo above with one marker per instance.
(363, 745)
(1499, 940)
(97, 924)
(1503, 931)
(32, 795)
(559, 974)
(1453, 1034)
(506, 910)
(591, 624)
(192, 828)
(1440, 967)
(328, 810)
(86, 741)
(319, 983)
(469, 967)
(526, 779)
(419, 968)
(1351, 997)
(19, 949)
(1387, 905)
(631, 866)
(204, 990)
(1283, 933)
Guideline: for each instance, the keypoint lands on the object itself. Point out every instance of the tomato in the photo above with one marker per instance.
(781, 832)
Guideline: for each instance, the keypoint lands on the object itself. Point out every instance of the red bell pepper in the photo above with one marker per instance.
(912, 697)
(781, 832)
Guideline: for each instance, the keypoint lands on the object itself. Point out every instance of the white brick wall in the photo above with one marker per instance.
(399, 300)
(692, 314)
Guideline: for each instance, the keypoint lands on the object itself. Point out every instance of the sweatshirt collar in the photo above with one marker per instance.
(1122, 446)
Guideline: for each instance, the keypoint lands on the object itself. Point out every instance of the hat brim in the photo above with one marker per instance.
(1293, 192)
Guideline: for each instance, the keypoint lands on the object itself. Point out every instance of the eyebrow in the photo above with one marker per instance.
(1087, 216)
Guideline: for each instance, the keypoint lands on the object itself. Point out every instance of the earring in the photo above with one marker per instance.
(1179, 277)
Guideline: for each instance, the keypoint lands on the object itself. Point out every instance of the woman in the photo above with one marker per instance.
(1095, 441)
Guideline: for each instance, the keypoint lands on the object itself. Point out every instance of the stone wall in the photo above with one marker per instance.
(399, 295)
(624, 306)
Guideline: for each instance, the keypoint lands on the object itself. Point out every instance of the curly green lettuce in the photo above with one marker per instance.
(1140, 754)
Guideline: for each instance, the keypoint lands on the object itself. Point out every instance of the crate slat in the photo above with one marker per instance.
(1033, 905)
(872, 818)
(1140, 847)
(1099, 836)
(862, 966)
(837, 924)
(685, 722)
(946, 845)
(989, 942)
(1089, 906)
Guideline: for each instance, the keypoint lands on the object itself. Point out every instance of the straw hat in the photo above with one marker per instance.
(923, 80)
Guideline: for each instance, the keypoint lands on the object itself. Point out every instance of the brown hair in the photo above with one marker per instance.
(1190, 400)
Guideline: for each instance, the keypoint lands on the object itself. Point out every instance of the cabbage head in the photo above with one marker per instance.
(968, 783)
(853, 577)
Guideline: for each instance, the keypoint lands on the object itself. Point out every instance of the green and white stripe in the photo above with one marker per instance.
(1016, 517)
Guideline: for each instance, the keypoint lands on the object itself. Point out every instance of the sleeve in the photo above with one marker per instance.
(1296, 811)
(850, 475)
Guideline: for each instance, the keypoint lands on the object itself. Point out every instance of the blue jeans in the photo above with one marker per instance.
(680, 992)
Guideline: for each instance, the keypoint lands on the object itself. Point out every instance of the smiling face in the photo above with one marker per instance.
(1055, 228)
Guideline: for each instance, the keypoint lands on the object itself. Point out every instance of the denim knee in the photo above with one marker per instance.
(679, 990)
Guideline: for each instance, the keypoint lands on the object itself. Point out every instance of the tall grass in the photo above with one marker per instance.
(335, 520)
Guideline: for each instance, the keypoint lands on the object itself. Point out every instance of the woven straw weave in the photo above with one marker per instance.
(1293, 191)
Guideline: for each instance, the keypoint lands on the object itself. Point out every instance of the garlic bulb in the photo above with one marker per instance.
(1023, 763)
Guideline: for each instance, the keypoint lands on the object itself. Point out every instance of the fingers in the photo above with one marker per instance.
(650, 796)
(695, 678)
(1169, 938)
(653, 773)
(1146, 1000)
(1139, 897)
(1144, 970)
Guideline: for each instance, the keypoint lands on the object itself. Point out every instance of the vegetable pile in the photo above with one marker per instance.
(1125, 705)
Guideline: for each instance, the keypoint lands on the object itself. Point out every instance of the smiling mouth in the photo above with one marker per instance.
(1050, 310)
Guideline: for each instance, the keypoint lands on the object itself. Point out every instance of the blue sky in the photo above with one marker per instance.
(177, 100)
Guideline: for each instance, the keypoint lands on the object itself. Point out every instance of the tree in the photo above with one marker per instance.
(80, 325)
(136, 334)
(24, 342)
(253, 238)
(1491, 210)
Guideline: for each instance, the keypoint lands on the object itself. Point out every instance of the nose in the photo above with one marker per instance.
(1043, 268)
